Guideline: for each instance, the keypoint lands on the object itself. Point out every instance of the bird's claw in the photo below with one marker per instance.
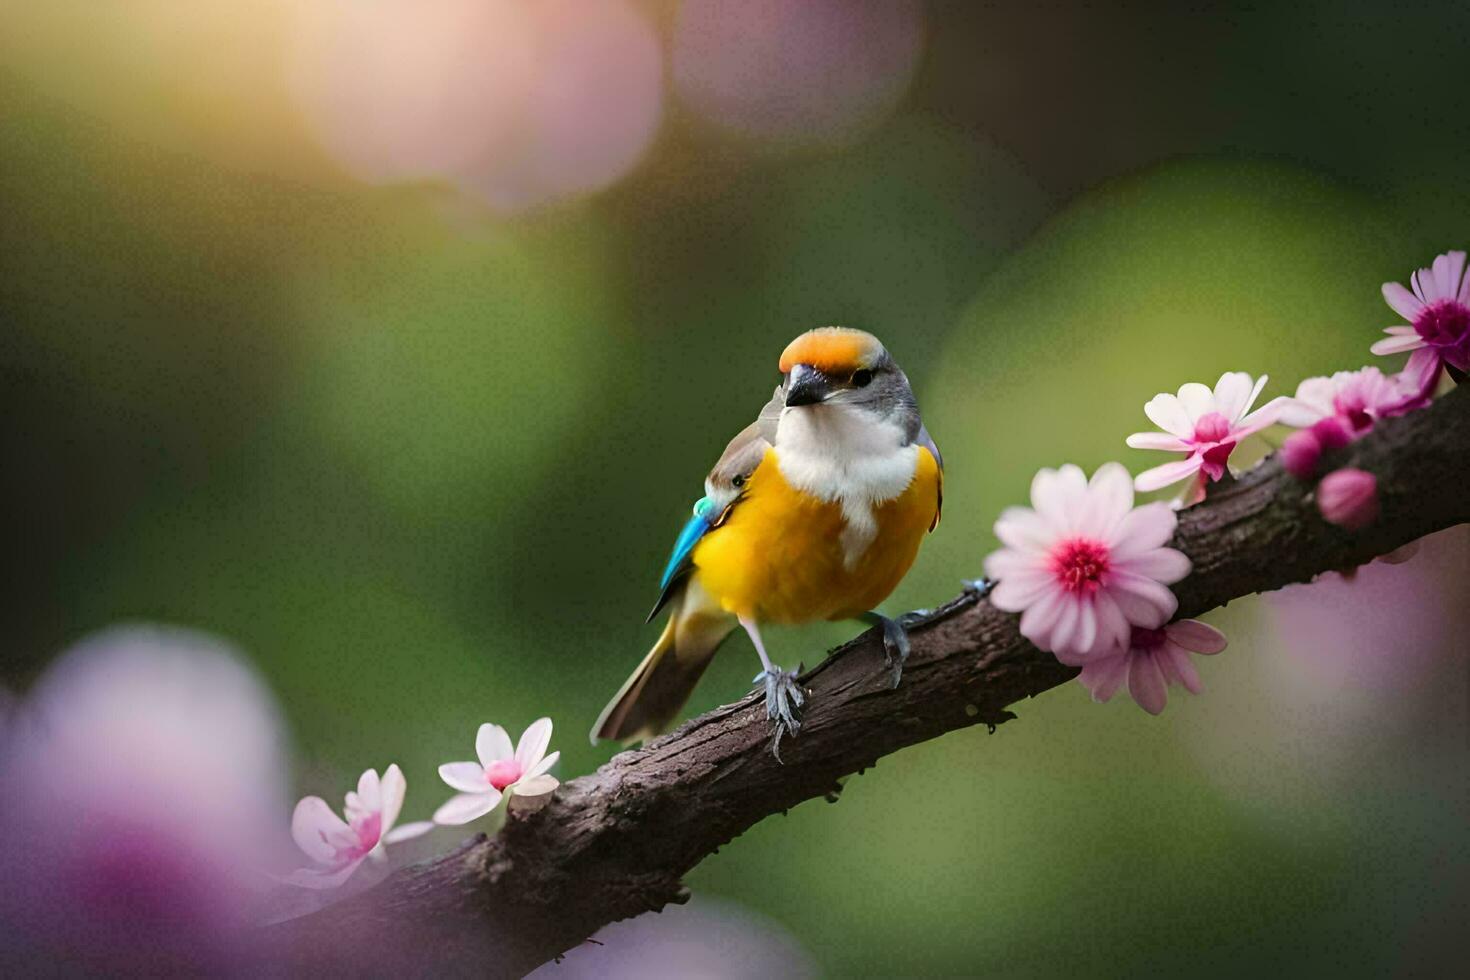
(895, 642)
(784, 698)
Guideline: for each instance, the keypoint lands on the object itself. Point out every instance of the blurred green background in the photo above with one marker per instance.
(423, 455)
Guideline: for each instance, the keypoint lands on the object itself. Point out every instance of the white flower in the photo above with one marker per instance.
(500, 771)
(338, 846)
(1205, 425)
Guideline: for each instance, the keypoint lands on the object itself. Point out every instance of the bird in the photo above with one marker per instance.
(815, 511)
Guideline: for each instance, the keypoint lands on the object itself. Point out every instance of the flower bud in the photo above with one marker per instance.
(1348, 498)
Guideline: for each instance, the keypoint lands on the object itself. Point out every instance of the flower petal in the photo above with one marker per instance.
(1063, 635)
(1066, 625)
(408, 831)
(1161, 564)
(1198, 400)
(1056, 495)
(1109, 498)
(1103, 677)
(544, 766)
(314, 825)
(1397, 344)
(464, 807)
(1167, 412)
(369, 792)
(532, 746)
(1181, 667)
(1447, 270)
(1233, 394)
(1040, 618)
(1198, 637)
(1013, 593)
(1170, 473)
(1006, 562)
(1157, 440)
(1267, 414)
(1113, 630)
(467, 777)
(1404, 303)
(394, 788)
(534, 785)
(1024, 529)
(1143, 529)
(492, 744)
(1144, 602)
(1146, 683)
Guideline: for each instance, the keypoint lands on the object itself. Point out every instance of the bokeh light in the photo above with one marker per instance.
(796, 71)
(516, 103)
(145, 778)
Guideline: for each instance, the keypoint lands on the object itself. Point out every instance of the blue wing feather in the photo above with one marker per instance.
(694, 529)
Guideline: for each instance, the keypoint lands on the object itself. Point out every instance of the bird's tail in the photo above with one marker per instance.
(650, 700)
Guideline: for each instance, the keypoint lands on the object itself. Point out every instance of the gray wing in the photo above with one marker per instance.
(927, 441)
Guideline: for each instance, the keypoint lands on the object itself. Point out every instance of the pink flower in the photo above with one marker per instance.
(338, 846)
(1152, 660)
(1085, 565)
(1357, 398)
(1438, 311)
(499, 772)
(1349, 498)
(1206, 425)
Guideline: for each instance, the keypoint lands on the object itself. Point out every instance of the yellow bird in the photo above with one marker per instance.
(814, 512)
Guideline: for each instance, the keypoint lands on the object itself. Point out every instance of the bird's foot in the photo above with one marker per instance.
(784, 698)
(895, 643)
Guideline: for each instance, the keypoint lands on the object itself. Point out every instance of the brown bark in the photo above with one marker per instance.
(617, 842)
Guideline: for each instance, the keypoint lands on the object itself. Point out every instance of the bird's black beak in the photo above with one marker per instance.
(805, 385)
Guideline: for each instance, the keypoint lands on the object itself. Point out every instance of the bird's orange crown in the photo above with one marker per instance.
(832, 350)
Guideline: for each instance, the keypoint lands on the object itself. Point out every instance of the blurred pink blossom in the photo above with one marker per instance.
(404, 91)
(140, 779)
(500, 771)
(709, 939)
(1438, 311)
(1152, 660)
(1356, 398)
(591, 111)
(1203, 424)
(1085, 565)
(1349, 498)
(513, 103)
(796, 71)
(336, 846)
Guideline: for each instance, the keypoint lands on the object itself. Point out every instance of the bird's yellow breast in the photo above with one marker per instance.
(780, 557)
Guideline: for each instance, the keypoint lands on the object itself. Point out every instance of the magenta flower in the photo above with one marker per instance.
(501, 771)
(1152, 660)
(1205, 425)
(1438, 311)
(1348, 498)
(338, 846)
(1085, 565)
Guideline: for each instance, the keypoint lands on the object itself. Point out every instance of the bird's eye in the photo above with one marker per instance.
(739, 481)
(862, 378)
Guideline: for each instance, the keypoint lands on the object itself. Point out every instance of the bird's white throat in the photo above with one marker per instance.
(839, 453)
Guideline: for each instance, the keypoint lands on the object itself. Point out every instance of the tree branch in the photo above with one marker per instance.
(616, 843)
